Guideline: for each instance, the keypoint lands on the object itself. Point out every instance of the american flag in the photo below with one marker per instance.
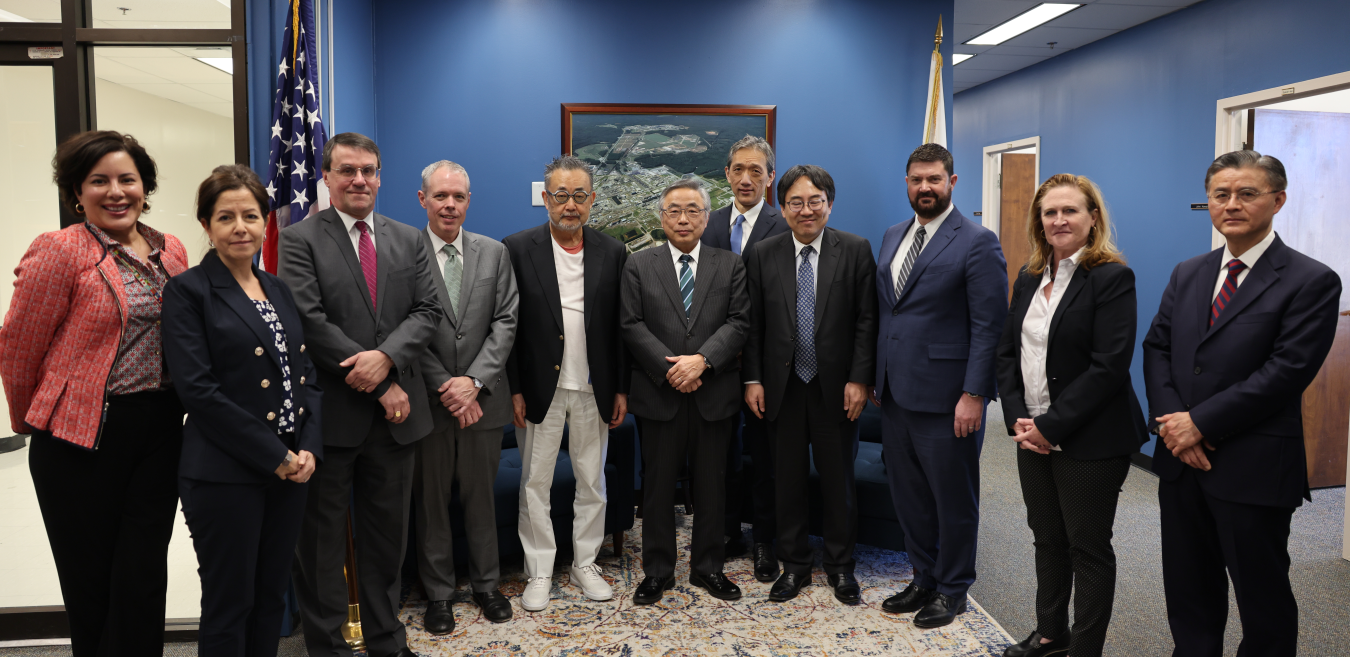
(294, 166)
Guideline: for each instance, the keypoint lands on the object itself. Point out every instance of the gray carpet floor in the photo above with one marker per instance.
(1007, 576)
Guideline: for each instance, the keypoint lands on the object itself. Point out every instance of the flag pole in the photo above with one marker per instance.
(351, 630)
(935, 92)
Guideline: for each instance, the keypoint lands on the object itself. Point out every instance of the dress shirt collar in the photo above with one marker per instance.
(932, 227)
(676, 253)
(350, 221)
(438, 244)
(1067, 267)
(750, 215)
(1253, 254)
(797, 246)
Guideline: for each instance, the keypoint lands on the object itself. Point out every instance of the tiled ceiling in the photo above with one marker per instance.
(1096, 19)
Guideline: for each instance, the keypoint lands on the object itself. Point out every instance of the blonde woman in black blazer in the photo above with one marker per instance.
(1064, 376)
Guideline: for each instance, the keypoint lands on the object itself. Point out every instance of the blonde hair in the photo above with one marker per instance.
(1101, 244)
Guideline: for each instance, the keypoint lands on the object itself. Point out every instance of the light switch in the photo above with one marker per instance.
(537, 193)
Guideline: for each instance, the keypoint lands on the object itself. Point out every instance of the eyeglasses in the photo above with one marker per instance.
(560, 197)
(693, 213)
(1244, 196)
(369, 172)
(815, 204)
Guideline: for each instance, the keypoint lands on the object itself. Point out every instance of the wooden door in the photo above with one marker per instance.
(1017, 185)
(1326, 413)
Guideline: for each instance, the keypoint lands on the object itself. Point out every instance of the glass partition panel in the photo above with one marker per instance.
(30, 11)
(163, 14)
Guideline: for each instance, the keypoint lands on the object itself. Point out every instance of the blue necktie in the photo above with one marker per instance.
(805, 355)
(737, 233)
(686, 282)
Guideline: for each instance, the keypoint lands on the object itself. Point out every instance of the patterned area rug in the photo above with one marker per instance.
(688, 621)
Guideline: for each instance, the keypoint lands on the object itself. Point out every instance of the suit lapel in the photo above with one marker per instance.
(541, 256)
(593, 263)
(719, 228)
(229, 291)
(670, 280)
(704, 279)
(786, 261)
(384, 258)
(936, 243)
(888, 249)
(470, 274)
(827, 265)
(1262, 276)
(442, 295)
(337, 230)
(1204, 290)
(290, 319)
(1076, 285)
(768, 218)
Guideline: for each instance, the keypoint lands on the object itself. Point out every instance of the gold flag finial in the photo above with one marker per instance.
(937, 38)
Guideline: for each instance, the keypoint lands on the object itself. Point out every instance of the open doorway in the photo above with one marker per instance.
(1012, 171)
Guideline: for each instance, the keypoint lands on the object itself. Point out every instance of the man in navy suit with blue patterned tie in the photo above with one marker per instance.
(942, 288)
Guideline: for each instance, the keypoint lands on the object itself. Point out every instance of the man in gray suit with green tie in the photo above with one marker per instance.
(465, 373)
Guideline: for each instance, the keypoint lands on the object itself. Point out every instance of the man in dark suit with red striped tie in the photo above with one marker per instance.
(1240, 333)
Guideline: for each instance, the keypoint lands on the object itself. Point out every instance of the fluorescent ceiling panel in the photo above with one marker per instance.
(957, 58)
(223, 63)
(1024, 22)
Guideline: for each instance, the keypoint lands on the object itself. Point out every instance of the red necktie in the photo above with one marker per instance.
(1229, 289)
(365, 250)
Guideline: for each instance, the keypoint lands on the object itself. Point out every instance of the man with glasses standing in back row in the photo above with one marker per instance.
(367, 299)
(567, 367)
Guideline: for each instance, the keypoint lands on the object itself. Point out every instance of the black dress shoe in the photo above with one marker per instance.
(766, 564)
(941, 611)
(734, 547)
(717, 584)
(440, 617)
(495, 606)
(910, 600)
(788, 586)
(1033, 647)
(651, 588)
(846, 589)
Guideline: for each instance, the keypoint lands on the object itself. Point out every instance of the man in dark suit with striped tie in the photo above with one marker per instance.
(1240, 333)
(738, 228)
(684, 313)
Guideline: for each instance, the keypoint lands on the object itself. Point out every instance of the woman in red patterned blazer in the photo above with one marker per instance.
(83, 370)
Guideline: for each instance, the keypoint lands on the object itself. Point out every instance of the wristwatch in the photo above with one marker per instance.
(286, 462)
(476, 382)
(707, 364)
(973, 395)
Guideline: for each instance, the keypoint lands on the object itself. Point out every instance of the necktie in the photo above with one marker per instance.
(686, 282)
(365, 252)
(1229, 289)
(805, 353)
(914, 250)
(737, 234)
(454, 275)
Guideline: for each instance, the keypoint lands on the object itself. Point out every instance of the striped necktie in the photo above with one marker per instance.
(914, 250)
(686, 282)
(453, 272)
(1228, 291)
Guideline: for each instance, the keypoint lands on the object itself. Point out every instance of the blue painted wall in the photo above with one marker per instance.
(480, 83)
(1135, 112)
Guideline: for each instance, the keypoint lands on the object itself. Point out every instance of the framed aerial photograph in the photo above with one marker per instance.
(636, 150)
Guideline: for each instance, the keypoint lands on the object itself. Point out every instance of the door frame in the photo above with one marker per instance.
(1231, 123)
(992, 194)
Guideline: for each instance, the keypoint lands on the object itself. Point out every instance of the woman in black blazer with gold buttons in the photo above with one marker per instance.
(1064, 378)
(235, 350)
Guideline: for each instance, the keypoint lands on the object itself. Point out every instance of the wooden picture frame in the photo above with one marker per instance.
(636, 150)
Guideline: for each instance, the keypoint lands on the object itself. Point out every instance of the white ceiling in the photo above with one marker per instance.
(1095, 20)
(161, 14)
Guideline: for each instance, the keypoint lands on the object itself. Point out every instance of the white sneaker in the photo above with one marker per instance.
(592, 584)
(535, 597)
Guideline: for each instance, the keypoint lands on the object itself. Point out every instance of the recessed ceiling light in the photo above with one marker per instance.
(957, 58)
(223, 63)
(1027, 20)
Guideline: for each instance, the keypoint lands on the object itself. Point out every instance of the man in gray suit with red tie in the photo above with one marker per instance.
(1240, 333)
(738, 228)
(364, 288)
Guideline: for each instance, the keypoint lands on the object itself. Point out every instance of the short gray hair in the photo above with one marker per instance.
(1242, 159)
(688, 183)
(432, 168)
(757, 143)
(567, 163)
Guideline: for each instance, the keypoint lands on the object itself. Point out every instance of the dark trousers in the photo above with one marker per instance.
(244, 536)
(109, 515)
(469, 457)
(935, 484)
(666, 446)
(1202, 536)
(1071, 509)
(375, 479)
(807, 429)
(753, 485)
